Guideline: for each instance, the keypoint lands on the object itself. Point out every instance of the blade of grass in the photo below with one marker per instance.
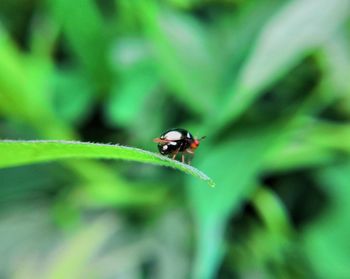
(85, 30)
(183, 53)
(294, 156)
(24, 90)
(298, 29)
(16, 153)
(272, 211)
(326, 241)
(239, 162)
(73, 258)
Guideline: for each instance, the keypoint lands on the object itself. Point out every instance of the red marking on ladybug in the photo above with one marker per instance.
(175, 141)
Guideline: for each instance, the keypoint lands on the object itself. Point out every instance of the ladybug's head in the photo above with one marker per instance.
(196, 142)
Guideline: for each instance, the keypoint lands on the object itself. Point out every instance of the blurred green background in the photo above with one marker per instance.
(266, 81)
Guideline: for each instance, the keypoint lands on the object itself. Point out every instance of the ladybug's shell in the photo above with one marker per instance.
(178, 140)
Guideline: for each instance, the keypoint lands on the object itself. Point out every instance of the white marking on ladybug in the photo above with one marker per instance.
(173, 143)
(165, 147)
(173, 135)
(188, 135)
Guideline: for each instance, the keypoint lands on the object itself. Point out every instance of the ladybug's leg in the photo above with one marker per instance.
(182, 152)
(189, 151)
(183, 158)
(174, 154)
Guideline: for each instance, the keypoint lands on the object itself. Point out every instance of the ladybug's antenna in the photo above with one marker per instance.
(202, 138)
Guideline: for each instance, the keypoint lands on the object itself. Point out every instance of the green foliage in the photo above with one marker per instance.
(241, 158)
(260, 70)
(325, 239)
(17, 153)
(265, 81)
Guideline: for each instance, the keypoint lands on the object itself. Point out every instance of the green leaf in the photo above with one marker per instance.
(234, 165)
(16, 153)
(18, 99)
(73, 96)
(184, 55)
(290, 36)
(138, 80)
(296, 155)
(85, 30)
(327, 240)
(336, 65)
(25, 90)
(73, 258)
(132, 92)
(232, 34)
(272, 211)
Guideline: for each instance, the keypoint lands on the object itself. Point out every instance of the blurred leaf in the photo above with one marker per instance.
(327, 240)
(234, 166)
(335, 62)
(131, 93)
(184, 4)
(298, 155)
(129, 54)
(308, 23)
(44, 36)
(86, 32)
(24, 84)
(73, 259)
(14, 91)
(73, 96)
(15, 153)
(272, 211)
(138, 80)
(171, 237)
(27, 183)
(25, 228)
(184, 57)
(233, 34)
(298, 149)
(329, 135)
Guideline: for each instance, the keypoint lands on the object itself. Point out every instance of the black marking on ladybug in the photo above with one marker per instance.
(175, 141)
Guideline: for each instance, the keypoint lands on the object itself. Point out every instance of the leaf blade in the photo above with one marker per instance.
(16, 153)
(273, 58)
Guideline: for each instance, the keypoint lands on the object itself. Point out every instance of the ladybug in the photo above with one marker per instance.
(175, 141)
